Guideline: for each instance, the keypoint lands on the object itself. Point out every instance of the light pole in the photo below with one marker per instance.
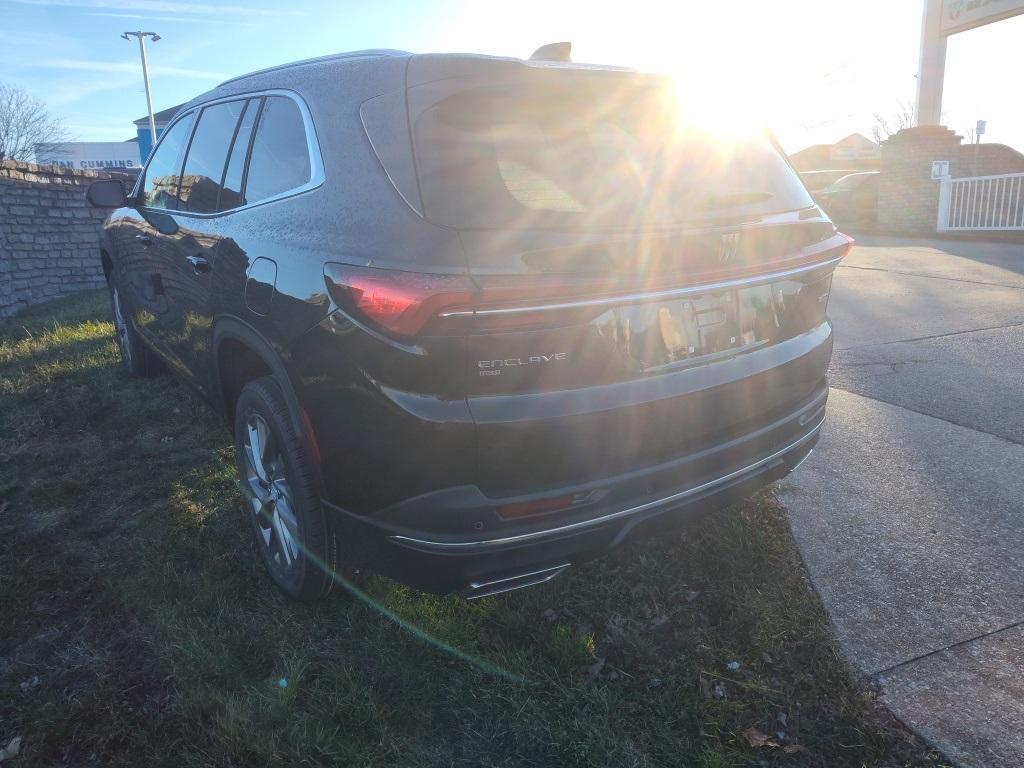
(145, 77)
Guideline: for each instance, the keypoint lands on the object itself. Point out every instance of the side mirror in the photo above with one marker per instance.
(108, 193)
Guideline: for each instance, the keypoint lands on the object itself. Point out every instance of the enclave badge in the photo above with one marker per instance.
(493, 367)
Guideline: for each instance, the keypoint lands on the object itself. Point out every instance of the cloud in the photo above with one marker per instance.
(147, 17)
(159, 6)
(127, 67)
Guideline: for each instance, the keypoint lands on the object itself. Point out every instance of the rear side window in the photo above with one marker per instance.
(553, 157)
(280, 155)
(160, 188)
(231, 192)
(207, 154)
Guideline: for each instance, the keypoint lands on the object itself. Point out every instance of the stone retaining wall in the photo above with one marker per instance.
(49, 234)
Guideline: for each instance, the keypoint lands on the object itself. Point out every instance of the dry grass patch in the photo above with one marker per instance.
(139, 629)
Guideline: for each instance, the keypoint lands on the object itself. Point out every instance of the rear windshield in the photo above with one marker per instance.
(490, 158)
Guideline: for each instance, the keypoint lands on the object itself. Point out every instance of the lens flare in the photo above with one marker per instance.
(725, 110)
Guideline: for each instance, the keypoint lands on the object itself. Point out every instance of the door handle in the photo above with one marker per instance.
(199, 264)
(144, 239)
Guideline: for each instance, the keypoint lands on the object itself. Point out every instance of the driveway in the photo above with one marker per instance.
(910, 514)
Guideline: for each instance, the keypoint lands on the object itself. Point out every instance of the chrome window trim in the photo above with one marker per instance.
(637, 298)
(468, 546)
(141, 180)
(316, 162)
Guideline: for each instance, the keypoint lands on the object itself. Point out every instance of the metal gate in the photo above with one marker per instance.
(982, 203)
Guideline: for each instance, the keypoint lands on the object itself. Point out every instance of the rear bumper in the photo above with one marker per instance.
(480, 554)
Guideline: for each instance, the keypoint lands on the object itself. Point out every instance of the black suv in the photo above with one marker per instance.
(473, 320)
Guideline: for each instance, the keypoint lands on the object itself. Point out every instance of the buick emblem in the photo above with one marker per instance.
(728, 247)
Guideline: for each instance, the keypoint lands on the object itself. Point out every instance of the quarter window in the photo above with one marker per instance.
(162, 173)
(280, 155)
(207, 154)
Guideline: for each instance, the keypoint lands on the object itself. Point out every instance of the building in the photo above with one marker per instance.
(91, 155)
(161, 118)
(855, 153)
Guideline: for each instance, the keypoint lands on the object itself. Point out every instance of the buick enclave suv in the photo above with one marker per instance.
(473, 320)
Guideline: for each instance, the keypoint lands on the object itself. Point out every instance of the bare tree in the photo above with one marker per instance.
(886, 125)
(24, 122)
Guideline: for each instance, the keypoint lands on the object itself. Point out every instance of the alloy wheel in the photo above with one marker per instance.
(121, 328)
(270, 495)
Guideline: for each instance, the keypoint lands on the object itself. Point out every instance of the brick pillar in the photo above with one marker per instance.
(908, 198)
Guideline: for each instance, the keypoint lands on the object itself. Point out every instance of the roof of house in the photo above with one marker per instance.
(819, 150)
(162, 117)
(856, 138)
(812, 151)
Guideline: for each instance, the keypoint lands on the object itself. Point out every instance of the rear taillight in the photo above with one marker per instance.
(400, 303)
(409, 304)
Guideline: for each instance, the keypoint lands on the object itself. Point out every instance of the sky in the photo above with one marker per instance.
(811, 70)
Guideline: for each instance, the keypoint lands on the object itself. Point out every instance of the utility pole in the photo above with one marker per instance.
(145, 77)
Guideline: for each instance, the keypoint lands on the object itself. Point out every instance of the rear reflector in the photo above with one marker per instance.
(537, 507)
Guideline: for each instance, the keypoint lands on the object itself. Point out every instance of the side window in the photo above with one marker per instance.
(160, 189)
(207, 154)
(231, 193)
(280, 156)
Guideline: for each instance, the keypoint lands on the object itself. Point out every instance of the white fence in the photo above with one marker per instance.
(982, 203)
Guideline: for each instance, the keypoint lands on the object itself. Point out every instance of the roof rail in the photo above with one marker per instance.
(368, 53)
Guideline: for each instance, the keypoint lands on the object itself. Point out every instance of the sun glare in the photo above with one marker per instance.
(716, 108)
(720, 62)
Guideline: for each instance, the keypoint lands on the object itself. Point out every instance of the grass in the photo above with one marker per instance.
(139, 629)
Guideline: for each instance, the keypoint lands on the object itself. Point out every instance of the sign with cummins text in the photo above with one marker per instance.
(90, 155)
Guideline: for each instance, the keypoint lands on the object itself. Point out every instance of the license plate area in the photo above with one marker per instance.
(700, 328)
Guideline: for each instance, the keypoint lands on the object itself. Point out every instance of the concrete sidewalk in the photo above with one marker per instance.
(910, 514)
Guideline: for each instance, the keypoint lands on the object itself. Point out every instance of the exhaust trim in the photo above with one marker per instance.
(478, 589)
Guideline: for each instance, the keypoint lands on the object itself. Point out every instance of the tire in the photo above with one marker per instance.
(138, 360)
(282, 502)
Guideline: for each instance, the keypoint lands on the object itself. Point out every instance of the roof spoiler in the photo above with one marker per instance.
(553, 52)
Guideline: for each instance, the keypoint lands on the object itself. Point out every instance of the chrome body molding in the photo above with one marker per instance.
(640, 298)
